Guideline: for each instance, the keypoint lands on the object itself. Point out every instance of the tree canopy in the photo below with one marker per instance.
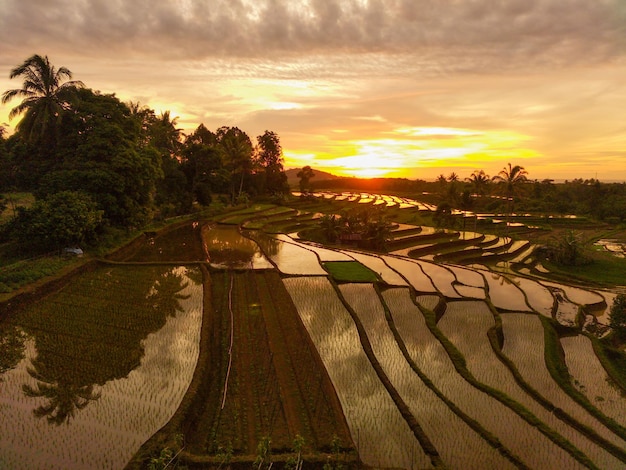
(130, 163)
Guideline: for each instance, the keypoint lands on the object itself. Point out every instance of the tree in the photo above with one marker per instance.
(101, 152)
(63, 219)
(479, 181)
(270, 158)
(618, 315)
(305, 175)
(45, 97)
(236, 149)
(512, 177)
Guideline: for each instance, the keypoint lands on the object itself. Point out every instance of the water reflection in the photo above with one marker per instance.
(227, 247)
(85, 337)
(11, 347)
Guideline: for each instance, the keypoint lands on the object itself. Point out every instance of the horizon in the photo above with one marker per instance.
(359, 88)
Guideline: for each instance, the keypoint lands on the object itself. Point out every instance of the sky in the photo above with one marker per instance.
(397, 88)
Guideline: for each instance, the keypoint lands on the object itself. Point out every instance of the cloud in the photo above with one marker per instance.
(450, 35)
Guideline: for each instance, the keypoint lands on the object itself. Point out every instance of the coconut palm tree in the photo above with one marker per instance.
(511, 177)
(479, 181)
(45, 96)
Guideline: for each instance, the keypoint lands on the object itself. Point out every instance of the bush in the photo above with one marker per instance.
(618, 316)
(62, 219)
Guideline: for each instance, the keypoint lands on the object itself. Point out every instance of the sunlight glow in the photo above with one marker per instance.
(415, 148)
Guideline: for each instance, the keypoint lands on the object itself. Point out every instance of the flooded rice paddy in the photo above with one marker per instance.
(104, 364)
(97, 368)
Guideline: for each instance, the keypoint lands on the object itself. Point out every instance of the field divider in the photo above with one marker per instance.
(232, 332)
(495, 339)
(459, 364)
(555, 363)
(472, 423)
(419, 433)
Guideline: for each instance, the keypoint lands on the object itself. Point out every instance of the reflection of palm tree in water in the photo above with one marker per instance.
(99, 341)
(11, 347)
(65, 397)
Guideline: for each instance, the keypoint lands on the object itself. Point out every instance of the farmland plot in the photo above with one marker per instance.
(412, 272)
(466, 324)
(377, 265)
(441, 277)
(468, 277)
(577, 295)
(539, 298)
(227, 248)
(324, 254)
(96, 382)
(525, 441)
(271, 382)
(288, 257)
(504, 294)
(524, 345)
(369, 410)
(590, 378)
(458, 445)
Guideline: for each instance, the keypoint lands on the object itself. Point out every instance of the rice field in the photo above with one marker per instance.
(524, 441)
(524, 345)
(588, 375)
(368, 408)
(466, 325)
(81, 406)
(432, 365)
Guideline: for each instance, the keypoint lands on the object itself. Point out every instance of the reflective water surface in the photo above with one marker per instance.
(95, 369)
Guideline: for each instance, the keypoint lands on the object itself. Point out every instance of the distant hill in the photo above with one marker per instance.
(293, 180)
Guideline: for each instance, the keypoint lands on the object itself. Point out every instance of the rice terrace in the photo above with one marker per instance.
(238, 340)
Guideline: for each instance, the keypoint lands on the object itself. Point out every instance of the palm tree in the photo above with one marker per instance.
(453, 177)
(479, 180)
(44, 94)
(511, 177)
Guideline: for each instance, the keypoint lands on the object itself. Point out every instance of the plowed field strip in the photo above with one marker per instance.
(304, 382)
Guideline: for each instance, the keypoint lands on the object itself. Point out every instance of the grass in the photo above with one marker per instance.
(349, 271)
(555, 362)
(605, 270)
(15, 200)
(21, 273)
(613, 360)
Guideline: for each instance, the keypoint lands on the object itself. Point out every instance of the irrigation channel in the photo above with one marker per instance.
(210, 339)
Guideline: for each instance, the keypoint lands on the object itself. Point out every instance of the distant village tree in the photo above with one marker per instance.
(305, 175)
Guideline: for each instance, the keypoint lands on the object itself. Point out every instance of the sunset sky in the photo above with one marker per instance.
(410, 88)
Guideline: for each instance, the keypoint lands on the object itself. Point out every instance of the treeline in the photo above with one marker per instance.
(584, 197)
(94, 162)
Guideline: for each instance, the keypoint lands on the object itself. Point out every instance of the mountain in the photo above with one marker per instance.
(293, 180)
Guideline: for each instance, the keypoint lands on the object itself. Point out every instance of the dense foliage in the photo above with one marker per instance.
(128, 164)
(618, 315)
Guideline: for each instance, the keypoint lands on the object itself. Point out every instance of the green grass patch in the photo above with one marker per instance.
(605, 270)
(555, 362)
(613, 360)
(349, 271)
(16, 275)
(13, 201)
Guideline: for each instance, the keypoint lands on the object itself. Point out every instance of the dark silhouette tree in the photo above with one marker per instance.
(270, 158)
(45, 96)
(618, 316)
(479, 181)
(236, 149)
(511, 178)
(305, 175)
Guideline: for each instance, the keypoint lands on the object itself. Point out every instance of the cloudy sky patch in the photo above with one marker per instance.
(317, 72)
